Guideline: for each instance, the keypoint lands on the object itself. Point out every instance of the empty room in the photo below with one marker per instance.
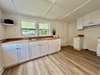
(49, 37)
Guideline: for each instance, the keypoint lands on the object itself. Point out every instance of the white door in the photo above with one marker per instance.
(9, 55)
(34, 51)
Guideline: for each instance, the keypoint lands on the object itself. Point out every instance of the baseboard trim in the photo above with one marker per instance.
(90, 50)
(98, 54)
(81, 49)
(66, 46)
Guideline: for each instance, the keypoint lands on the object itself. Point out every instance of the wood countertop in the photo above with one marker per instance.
(28, 38)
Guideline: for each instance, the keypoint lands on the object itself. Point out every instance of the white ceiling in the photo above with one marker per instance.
(50, 9)
(88, 8)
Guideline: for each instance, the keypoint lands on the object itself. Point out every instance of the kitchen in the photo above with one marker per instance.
(49, 37)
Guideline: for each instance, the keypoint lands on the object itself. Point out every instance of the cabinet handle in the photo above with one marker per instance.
(91, 22)
(18, 48)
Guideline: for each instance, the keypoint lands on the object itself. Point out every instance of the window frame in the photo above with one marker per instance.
(37, 28)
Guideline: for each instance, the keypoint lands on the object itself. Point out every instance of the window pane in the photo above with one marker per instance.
(28, 28)
(43, 32)
(43, 29)
(43, 26)
(28, 25)
(29, 32)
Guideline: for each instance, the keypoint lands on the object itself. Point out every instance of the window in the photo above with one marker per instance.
(28, 29)
(43, 29)
(35, 29)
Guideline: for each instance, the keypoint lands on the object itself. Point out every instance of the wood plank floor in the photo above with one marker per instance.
(66, 62)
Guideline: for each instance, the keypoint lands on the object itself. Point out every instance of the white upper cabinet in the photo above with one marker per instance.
(86, 22)
(91, 22)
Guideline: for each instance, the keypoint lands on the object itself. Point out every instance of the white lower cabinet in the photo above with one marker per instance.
(15, 53)
(54, 46)
(98, 48)
(22, 52)
(78, 43)
(9, 55)
(34, 51)
(18, 52)
(57, 46)
(43, 45)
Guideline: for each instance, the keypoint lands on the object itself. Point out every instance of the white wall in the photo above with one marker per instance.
(1, 62)
(2, 28)
(15, 31)
(91, 33)
(12, 31)
(1, 37)
(72, 32)
(62, 31)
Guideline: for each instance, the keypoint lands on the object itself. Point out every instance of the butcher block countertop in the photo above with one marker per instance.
(8, 40)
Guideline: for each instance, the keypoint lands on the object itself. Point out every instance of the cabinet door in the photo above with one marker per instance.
(22, 52)
(34, 51)
(98, 49)
(77, 43)
(57, 44)
(54, 45)
(9, 55)
(44, 47)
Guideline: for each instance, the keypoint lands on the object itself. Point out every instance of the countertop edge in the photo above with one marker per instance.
(28, 38)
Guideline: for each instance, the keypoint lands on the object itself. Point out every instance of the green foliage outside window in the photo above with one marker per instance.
(32, 29)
